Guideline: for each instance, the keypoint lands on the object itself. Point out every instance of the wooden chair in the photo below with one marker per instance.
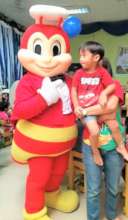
(126, 190)
(76, 171)
(76, 166)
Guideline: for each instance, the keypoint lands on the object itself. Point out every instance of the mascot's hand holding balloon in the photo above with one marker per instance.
(45, 130)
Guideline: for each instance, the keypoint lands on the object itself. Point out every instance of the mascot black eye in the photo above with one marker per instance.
(38, 47)
(56, 49)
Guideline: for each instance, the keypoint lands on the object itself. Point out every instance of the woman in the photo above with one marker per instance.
(112, 164)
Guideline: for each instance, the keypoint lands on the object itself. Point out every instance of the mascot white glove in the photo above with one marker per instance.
(63, 91)
(48, 91)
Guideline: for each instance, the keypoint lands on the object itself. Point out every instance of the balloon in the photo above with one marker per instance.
(72, 26)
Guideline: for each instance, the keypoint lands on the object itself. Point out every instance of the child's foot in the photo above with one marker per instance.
(123, 151)
(97, 158)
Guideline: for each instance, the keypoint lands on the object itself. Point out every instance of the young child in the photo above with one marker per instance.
(92, 85)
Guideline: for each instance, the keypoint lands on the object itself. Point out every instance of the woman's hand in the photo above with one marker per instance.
(103, 99)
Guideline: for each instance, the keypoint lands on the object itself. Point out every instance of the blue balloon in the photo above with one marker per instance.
(72, 26)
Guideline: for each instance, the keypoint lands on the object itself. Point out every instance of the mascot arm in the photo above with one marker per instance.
(28, 102)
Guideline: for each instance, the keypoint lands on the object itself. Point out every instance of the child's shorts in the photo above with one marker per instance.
(88, 118)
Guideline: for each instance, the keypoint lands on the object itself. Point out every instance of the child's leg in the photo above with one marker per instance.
(93, 128)
(113, 125)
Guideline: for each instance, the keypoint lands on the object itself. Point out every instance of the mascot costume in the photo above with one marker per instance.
(45, 130)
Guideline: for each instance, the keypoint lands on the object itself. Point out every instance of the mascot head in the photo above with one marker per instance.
(45, 46)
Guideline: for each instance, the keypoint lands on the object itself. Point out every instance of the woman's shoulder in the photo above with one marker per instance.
(118, 83)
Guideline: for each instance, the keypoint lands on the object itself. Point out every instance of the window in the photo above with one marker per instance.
(122, 61)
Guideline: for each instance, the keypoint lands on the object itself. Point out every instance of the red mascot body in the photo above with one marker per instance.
(45, 130)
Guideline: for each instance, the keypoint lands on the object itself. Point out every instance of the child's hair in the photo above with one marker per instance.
(94, 47)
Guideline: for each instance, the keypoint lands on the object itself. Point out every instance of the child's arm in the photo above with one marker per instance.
(110, 107)
(104, 94)
(77, 108)
(74, 97)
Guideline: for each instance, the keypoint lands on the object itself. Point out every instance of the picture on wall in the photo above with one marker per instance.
(122, 61)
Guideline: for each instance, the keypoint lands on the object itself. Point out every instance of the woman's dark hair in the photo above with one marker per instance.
(107, 65)
(94, 47)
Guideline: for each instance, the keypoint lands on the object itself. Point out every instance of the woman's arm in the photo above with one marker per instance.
(110, 107)
(74, 97)
(77, 109)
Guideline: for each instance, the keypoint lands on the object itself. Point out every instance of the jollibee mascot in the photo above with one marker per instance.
(45, 129)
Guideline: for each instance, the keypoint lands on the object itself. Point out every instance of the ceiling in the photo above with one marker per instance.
(100, 10)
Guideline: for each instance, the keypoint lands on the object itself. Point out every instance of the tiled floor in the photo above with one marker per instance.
(12, 183)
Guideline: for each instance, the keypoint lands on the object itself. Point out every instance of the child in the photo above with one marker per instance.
(92, 84)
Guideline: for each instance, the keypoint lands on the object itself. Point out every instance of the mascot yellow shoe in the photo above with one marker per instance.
(64, 201)
(41, 215)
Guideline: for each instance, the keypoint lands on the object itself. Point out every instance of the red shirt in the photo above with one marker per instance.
(119, 92)
(90, 85)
